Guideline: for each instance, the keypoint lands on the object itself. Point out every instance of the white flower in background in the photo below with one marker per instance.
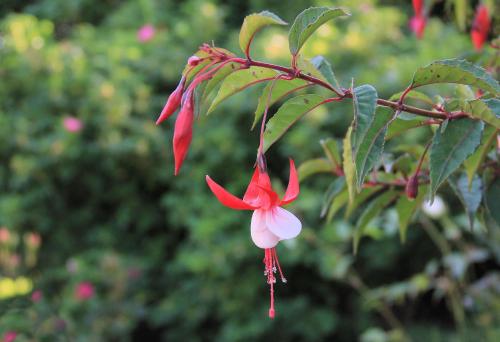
(436, 209)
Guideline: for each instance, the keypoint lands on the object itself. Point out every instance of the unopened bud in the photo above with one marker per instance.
(194, 61)
(412, 187)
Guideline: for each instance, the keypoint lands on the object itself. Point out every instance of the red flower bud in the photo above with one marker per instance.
(412, 187)
(183, 131)
(194, 61)
(173, 102)
(480, 27)
(417, 25)
(418, 7)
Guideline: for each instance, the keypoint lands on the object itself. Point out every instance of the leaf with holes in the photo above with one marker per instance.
(469, 196)
(372, 210)
(255, 22)
(476, 159)
(371, 145)
(325, 68)
(239, 81)
(314, 166)
(281, 89)
(455, 71)
(450, 149)
(218, 77)
(288, 114)
(309, 21)
(486, 110)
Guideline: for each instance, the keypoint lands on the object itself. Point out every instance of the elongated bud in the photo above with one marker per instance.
(417, 25)
(412, 187)
(173, 102)
(194, 61)
(480, 27)
(183, 131)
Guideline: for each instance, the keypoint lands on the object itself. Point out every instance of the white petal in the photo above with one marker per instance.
(283, 223)
(261, 236)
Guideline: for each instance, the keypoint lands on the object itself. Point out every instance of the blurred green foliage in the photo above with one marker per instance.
(166, 260)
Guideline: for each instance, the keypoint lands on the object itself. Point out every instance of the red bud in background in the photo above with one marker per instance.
(480, 27)
(173, 102)
(412, 187)
(183, 131)
(418, 7)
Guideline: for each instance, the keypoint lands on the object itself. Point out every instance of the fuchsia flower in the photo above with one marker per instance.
(84, 290)
(480, 27)
(418, 21)
(146, 33)
(173, 102)
(183, 131)
(72, 124)
(270, 223)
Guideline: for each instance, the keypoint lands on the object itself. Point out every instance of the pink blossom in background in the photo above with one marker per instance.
(4, 234)
(72, 124)
(146, 33)
(84, 290)
(36, 296)
(10, 336)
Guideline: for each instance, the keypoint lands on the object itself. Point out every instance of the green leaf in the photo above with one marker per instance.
(486, 110)
(332, 151)
(364, 100)
(455, 71)
(469, 196)
(288, 114)
(451, 148)
(476, 159)
(360, 198)
(492, 197)
(333, 190)
(348, 166)
(219, 76)
(338, 202)
(280, 89)
(325, 68)
(406, 208)
(371, 144)
(307, 67)
(414, 95)
(372, 210)
(253, 23)
(314, 166)
(309, 21)
(239, 81)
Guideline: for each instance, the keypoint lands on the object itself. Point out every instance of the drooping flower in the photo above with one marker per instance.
(72, 124)
(183, 131)
(173, 102)
(270, 222)
(146, 33)
(480, 27)
(84, 290)
(418, 21)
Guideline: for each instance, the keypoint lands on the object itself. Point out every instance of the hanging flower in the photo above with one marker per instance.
(270, 222)
(173, 102)
(418, 21)
(480, 27)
